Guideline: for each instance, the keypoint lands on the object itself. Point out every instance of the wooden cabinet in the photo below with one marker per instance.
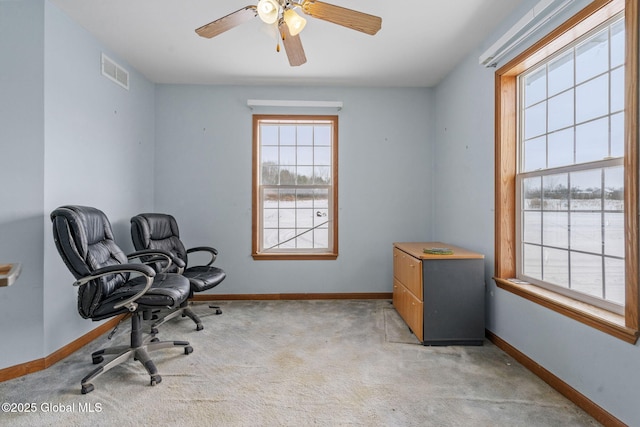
(440, 297)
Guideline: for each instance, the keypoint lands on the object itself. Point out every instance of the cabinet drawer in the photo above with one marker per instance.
(414, 315)
(409, 307)
(408, 270)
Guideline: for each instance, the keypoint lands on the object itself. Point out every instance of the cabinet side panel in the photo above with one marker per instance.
(453, 301)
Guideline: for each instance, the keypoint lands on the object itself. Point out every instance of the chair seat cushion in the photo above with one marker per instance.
(167, 291)
(203, 277)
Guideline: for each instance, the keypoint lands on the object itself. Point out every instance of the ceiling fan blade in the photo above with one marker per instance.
(292, 45)
(225, 23)
(353, 19)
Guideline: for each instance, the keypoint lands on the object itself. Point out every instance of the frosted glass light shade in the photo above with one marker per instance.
(294, 21)
(268, 11)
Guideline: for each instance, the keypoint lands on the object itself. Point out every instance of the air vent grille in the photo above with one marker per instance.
(114, 72)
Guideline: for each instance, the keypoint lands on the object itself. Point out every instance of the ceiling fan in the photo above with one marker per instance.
(289, 23)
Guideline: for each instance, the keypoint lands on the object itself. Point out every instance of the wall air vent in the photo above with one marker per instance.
(114, 72)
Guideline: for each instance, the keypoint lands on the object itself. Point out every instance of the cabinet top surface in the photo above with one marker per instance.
(416, 249)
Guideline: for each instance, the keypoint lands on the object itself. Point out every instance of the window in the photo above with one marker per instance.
(566, 170)
(570, 178)
(295, 192)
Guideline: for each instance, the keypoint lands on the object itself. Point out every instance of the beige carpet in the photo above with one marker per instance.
(295, 363)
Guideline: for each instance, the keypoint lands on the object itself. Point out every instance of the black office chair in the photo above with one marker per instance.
(107, 288)
(160, 231)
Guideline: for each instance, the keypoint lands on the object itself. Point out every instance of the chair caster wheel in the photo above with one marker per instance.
(154, 339)
(199, 327)
(97, 360)
(154, 331)
(218, 311)
(188, 350)
(87, 388)
(156, 379)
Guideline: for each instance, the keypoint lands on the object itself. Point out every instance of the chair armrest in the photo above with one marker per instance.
(212, 251)
(159, 255)
(141, 269)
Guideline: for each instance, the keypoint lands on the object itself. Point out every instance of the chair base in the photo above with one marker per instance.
(138, 350)
(185, 311)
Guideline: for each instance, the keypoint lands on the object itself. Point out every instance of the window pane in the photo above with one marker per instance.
(614, 234)
(287, 135)
(592, 99)
(561, 111)
(287, 211)
(535, 154)
(270, 218)
(322, 135)
(535, 86)
(304, 218)
(586, 274)
(532, 193)
(555, 230)
(532, 227)
(614, 188)
(270, 208)
(586, 232)
(268, 135)
(556, 267)
(321, 198)
(322, 175)
(322, 155)
(305, 135)
(270, 237)
(286, 238)
(269, 155)
(287, 175)
(617, 89)
(535, 120)
(592, 141)
(561, 73)
(305, 155)
(321, 218)
(617, 43)
(561, 148)
(555, 192)
(304, 239)
(287, 155)
(617, 135)
(532, 266)
(270, 174)
(304, 175)
(592, 56)
(614, 280)
(320, 238)
(586, 190)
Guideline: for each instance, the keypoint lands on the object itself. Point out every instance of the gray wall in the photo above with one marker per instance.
(67, 136)
(203, 165)
(604, 369)
(21, 175)
(98, 151)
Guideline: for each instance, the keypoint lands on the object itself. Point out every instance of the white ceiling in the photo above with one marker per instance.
(419, 43)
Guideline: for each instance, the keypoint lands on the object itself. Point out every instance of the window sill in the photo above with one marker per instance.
(602, 320)
(291, 256)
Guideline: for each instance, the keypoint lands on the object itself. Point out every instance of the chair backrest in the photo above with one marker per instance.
(84, 239)
(158, 231)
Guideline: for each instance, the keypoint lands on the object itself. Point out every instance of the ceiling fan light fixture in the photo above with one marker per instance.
(294, 21)
(268, 10)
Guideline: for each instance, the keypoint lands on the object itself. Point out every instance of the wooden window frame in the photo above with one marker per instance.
(625, 327)
(256, 227)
